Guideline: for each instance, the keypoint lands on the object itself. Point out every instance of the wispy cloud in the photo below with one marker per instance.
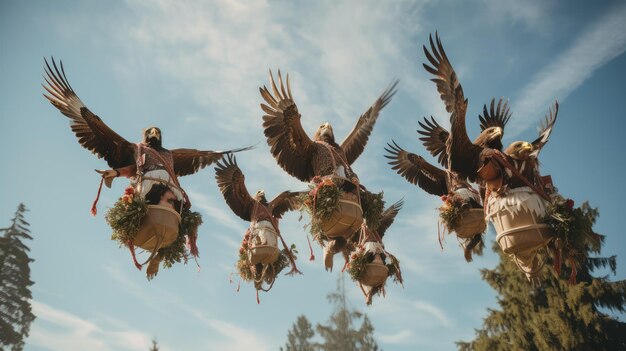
(221, 334)
(601, 42)
(531, 14)
(220, 52)
(55, 329)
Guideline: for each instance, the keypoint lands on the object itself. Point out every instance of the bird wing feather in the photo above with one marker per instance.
(289, 144)
(416, 170)
(92, 133)
(354, 144)
(231, 182)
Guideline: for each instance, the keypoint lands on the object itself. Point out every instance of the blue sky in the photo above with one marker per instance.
(194, 68)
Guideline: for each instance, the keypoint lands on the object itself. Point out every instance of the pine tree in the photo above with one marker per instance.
(555, 315)
(15, 309)
(339, 334)
(154, 346)
(299, 337)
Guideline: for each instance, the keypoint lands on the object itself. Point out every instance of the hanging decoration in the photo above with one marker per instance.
(150, 215)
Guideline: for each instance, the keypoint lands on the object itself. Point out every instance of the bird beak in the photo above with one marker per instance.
(498, 132)
(154, 133)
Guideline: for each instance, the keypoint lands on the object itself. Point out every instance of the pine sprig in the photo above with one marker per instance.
(373, 206)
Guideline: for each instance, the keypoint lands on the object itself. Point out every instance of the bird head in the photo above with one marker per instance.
(152, 137)
(260, 196)
(325, 133)
(519, 150)
(491, 138)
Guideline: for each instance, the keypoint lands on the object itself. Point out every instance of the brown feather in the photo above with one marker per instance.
(417, 171)
(231, 182)
(189, 161)
(497, 117)
(92, 133)
(289, 143)
(354, 144)
(463, 154)
(434, 139)
(388, 216)
(285, 201)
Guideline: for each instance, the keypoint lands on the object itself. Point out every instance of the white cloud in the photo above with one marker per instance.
(221, 334)
(220, 53)
(403, 336)
(601, 42)
(532, 14)
(55, 329)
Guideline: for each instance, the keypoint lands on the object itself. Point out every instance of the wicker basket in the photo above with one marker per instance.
(346, 219)
(374, 274)
(471, 223)
(519, 231)
(158, 229)
(264, 247)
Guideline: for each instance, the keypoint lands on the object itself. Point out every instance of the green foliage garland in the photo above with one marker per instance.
(320, 203)
(373, 206)
(573, 230)
(125, 216)
(451, 210)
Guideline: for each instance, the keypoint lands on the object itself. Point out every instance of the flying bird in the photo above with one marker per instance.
(435, 181)
(375, 236)
(524, 155)
(231, 182)
(304, 157)
(148, 157)
(463, 156)
(492, 122)
(257, 209)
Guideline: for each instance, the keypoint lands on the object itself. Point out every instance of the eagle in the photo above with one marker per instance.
(464, 157)
(492, 122)
(304, 157)
(374, 236)
(435, 181)
(231, 182)
(147, 158)
(524, 155)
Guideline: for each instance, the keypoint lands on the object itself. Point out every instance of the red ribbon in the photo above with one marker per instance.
(94, 210)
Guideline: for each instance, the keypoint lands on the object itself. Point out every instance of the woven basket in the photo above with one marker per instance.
(158, 228)
(374, 274)
(471, 223)
(521, 232)
(264, 247)
(346, 219)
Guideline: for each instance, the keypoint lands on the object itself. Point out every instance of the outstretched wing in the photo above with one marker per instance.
(416, 170)
(464, 156)
(290, 145)
(231, 182)
(446, 80)
(434, 139)
(496, 116)
(92, 133)
(354, 144)
(285, 201)
(545, 129)
(388, 216)
(189, 161)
